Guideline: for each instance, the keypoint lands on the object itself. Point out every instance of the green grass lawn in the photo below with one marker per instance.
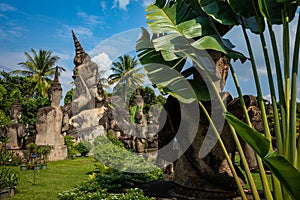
(256, 176)
(63, 176)
(58, 177)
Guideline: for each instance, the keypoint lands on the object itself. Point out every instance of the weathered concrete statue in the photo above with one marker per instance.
(49, 123)
(88, 106)
(206, 176)
(16, 132)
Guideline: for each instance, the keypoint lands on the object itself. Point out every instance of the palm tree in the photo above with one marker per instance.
(39, 68)
(125, 71)
(127, 74)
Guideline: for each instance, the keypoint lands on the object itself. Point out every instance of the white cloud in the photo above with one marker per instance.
(122, 4)
(103, 61)
(90, 19)
(103, 5)
(262, 71)
(65, 31)
(6, 7)
(118, 45)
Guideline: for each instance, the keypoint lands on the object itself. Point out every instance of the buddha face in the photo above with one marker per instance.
(55, 97)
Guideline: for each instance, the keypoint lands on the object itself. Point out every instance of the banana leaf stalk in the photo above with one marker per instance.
(263, 176)
(235, 176)
(235, 138)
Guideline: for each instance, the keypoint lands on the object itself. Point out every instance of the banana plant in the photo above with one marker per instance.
(179, 34)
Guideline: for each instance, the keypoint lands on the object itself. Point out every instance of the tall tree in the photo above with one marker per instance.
(127, 74)
(125, 71)
(39, 68)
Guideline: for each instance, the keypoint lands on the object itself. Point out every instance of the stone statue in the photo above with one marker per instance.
(89, 105)
(49, 123)
(208, 177)
(86, 80)
(16, 132)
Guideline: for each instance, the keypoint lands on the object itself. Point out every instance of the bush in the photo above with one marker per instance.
(118, 157)
(81, 148)
(9, 178)
(101, 194)
(69, 141)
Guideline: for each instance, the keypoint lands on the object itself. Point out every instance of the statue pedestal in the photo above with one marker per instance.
(58, 152)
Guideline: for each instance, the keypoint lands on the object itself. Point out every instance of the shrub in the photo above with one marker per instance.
(118, 157)
(69, 141)
(81, 148)
(9, 178)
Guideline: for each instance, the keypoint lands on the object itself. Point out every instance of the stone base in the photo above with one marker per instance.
(58, 152)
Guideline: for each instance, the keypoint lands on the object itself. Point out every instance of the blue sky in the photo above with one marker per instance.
(106, 29)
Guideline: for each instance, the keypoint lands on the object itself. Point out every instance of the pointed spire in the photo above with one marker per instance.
(80, 53)
(56, 75)
(55, 83)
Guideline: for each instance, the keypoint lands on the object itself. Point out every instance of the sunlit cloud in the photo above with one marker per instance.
(104, 62)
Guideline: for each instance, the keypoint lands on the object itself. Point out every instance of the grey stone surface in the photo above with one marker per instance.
(16, 132)
(49, 123)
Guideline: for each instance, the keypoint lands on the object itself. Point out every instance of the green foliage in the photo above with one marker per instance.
(149, 98)
(39, 67)
(102, 194)
(115, 141)
(4, 119)
(120, 180)
(32, 148)
(43, 153)
(81, 148)
(9, 178)
(107, 180)
(69, 96)
(8, 157)
(117, 157)
(283, 170)
(23, 88)
(30, 107)
(174, 23)
(126, 71)
(69, 141)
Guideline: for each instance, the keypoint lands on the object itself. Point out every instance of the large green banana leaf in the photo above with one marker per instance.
(220, 11)
(180, 31)
(288, 175)
(272, 9)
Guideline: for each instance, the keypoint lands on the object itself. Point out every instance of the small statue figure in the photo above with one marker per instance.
(16, 132)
